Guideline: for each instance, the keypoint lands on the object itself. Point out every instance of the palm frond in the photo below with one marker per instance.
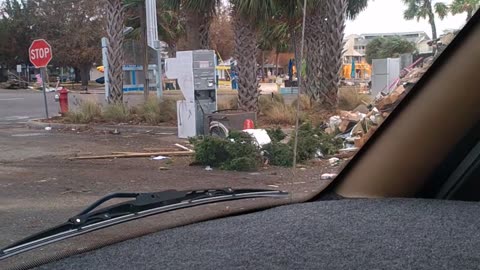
(355, 7)
(442, 10)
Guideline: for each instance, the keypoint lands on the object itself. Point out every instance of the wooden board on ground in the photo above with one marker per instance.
(137, 155)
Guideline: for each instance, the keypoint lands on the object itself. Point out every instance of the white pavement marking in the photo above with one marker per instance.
(13, 118)
(7, 99)
(29, 134)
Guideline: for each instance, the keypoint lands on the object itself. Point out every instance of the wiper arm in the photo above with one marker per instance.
(141, 205)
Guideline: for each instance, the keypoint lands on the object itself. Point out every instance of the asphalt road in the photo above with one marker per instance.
(40, 187)
(17, 106)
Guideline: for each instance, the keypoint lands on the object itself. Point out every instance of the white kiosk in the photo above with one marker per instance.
(196, 75)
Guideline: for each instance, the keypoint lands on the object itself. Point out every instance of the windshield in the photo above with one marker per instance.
(239, 94)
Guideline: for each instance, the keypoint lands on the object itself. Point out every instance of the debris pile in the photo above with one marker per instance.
(14, 82)
(357, 126)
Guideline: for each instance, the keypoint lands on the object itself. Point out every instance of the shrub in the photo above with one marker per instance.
(329, 145)
(211, 151)
(276, 134)
(278, 154)
(87, 112)
(237, 152)
(311, 140)
(241, 164)
(118, 113)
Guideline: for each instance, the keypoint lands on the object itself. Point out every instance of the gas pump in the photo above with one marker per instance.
(196, 75)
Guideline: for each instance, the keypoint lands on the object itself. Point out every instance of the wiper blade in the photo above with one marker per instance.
(141, 205)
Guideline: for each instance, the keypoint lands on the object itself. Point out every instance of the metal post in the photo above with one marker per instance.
(144, 40)
(158, 48)
(105, 67)
(43, 74)
(299, 75)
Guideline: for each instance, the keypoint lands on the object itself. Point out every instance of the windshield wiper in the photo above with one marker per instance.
(141, 205)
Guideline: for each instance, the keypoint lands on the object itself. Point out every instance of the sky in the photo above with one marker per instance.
(387, 16)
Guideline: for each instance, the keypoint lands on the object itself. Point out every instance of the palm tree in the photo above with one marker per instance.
(197, 15)
(441, 9)
(247, 16)
(324, 39)
(115, 24)
(170, 28)
(421, 9)
(468, 6)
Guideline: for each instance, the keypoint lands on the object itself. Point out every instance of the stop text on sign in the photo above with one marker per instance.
(39, 53)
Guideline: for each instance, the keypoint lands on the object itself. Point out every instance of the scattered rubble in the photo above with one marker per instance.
(357, 126)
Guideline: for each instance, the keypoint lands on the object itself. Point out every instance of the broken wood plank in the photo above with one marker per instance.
(157, 149)
(136, 155)
(183, 147)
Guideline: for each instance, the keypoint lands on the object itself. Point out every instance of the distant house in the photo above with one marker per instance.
(356, 45)
(353, 50)
(283, 59)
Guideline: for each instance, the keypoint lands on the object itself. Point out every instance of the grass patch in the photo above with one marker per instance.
(155, 112)
(268, 102)
(305, 103)
(280, 114)
(118, 113)
(87, 112)
(349, 99)
(229, 103)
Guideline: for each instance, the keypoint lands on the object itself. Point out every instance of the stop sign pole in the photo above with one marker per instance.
(40, 54)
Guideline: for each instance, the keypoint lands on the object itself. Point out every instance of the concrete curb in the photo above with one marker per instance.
(37, 124)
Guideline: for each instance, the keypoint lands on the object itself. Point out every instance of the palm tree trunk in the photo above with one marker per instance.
(431, 19)
(197, 30)
(245, 54)
(204, 32)
(314, 52)
(115, 23)
(192, 30)
(334, 23)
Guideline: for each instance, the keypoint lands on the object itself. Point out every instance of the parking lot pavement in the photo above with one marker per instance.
(40, 187)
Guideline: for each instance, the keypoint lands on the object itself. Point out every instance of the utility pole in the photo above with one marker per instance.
(144, 41)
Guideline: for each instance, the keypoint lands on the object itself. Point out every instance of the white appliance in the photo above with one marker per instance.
(384, 74)
(196, 75)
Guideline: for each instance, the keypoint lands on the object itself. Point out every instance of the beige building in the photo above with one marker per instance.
(356, 45)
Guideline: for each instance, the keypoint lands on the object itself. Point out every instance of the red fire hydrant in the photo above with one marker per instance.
(62, 98)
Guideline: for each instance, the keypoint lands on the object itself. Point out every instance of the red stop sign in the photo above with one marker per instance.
(40, 53)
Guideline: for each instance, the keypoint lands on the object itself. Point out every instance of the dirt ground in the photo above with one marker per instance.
(40, 187)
